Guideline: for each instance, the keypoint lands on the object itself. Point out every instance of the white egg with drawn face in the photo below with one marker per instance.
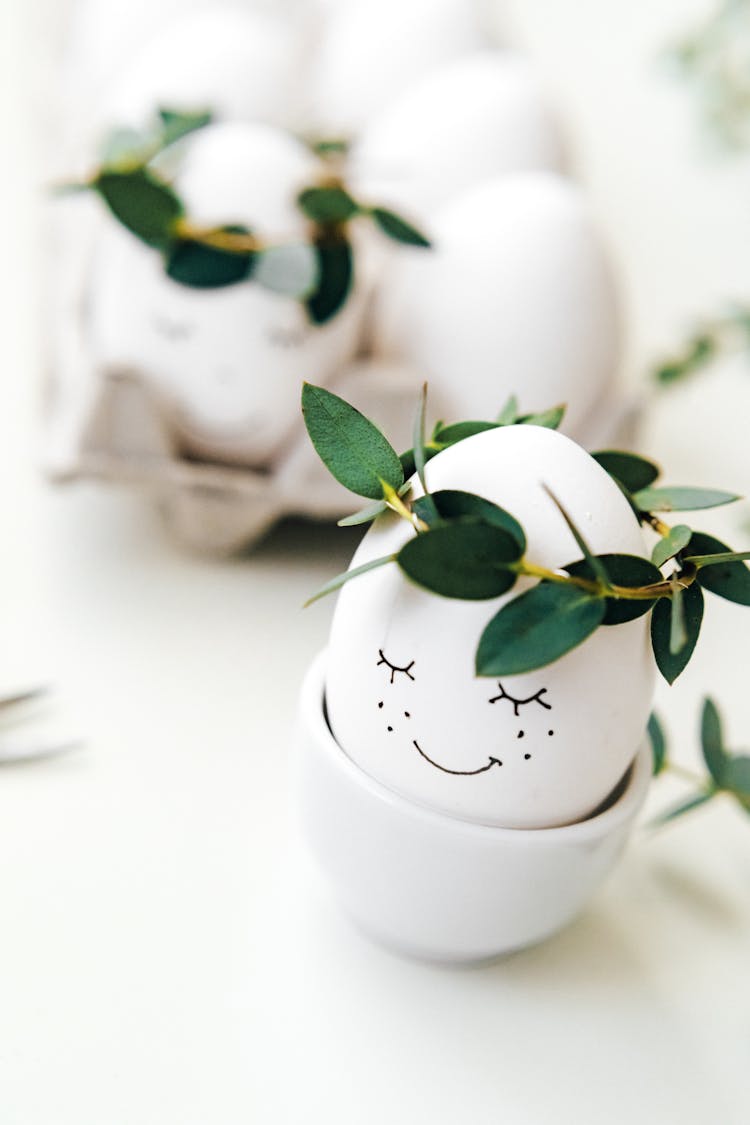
(516, 295)
(227, 363)
(527, 751)
(481, 115)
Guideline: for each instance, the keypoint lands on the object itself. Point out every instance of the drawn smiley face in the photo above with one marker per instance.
(513, 736)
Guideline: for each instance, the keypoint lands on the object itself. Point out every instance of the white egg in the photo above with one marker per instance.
(240, 64)
(402, 697)
(227, 363)
(479, 116)
(370, 51)
(515, 296)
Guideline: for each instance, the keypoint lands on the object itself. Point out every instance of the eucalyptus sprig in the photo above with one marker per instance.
(318, 271)
(464, 546)
(727, 772)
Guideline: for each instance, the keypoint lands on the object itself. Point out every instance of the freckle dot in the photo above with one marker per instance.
(407, 715)
(527, 756)
(550, 732)
(381, 703)
(520, 734)
(390, 728)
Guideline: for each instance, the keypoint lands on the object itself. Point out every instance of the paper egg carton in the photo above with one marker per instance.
(108, 420)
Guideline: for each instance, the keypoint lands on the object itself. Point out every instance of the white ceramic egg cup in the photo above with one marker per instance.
(434, 887)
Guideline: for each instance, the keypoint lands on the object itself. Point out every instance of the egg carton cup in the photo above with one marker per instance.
(438, 888)
(115, 429)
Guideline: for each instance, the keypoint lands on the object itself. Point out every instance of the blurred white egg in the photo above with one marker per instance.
(227, 363)
(515, 297)
(528, 751)
(479, 116)
(240, 64)
(370, 51)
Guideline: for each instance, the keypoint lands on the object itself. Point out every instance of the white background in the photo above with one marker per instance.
(166, 955)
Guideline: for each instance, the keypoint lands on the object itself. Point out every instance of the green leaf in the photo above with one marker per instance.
(398, 229)
(336, 274)
(672, 664)
(329, 146)
(549, 419)
(595, 563)
(658, 742)
(292, 270)
(682, 808)
(453, 504)
(680, 499)
(631, 471)
(459, 431)
(671, 544)
(353, 450)
(737, 777)
(144, 205)
(418, 437)
(537, 628)
(509, 413)
(365, 515)
(730, 580)
(327, 205)
(125, 148)
(465, 559)
(699, 561)
(623, 570)
(700, 351)
(205, 267)
(712, 742)
(340, 579)
(678, 634)
(176, 125)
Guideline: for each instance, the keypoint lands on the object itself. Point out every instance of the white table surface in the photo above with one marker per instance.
(167, 955)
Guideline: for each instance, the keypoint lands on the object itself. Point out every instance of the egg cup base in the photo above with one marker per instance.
(431, 886)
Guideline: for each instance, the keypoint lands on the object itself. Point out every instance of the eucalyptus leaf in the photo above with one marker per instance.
(730, 580)
(418, 437)
(679, 499)
(365, 515)
(595, 563)
(452, 504)
(537, 628)
(549, 419)
(464, 559)
(199, 266)
(681, 809)
(147, 207)
(177, 124)
(327, 205)
(623, 570)
(671, 544)
(398, 229)
(672, 664)
(341, 579)
(353, 450)
(712, 742)
(658, 741)
(292, 270)
(632, 471)
(459, 431)
(678, 634)
(737, 777)
(509, 413)
(408, 462)
(336, 275)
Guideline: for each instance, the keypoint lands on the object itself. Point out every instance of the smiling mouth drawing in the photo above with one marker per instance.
(457, 773)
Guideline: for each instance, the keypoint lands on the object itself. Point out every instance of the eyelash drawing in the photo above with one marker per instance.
(394, 667)
(518, 703)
